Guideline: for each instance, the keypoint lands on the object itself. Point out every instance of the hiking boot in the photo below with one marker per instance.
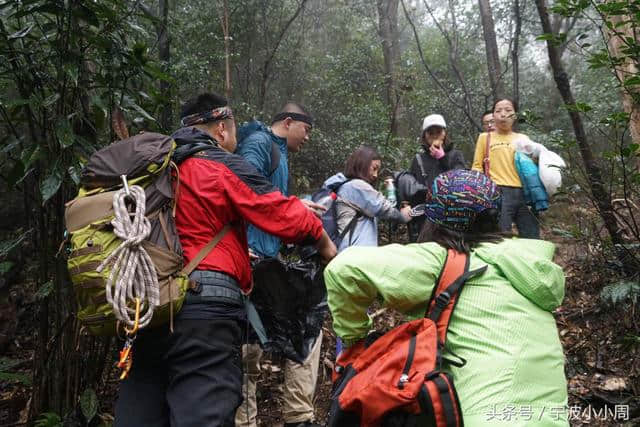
(302, 424)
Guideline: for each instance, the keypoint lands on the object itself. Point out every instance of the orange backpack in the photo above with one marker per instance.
(397, 380)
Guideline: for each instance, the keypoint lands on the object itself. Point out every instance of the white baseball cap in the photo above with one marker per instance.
(433, 120)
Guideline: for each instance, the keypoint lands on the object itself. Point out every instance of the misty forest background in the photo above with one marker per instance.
(369, 71)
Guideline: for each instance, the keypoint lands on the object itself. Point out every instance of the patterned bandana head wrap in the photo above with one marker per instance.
(294, 116)
(458, 196)
(214, 115)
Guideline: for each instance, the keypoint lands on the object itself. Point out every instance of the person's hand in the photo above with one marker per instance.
(252, 255)
(326, 249)
(436, 151)
(406, 213)
(317, 209)
(347, 357)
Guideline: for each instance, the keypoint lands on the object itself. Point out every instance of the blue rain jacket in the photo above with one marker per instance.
(254, 144)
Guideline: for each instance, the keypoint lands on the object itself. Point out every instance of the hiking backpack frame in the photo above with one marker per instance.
(396, 379)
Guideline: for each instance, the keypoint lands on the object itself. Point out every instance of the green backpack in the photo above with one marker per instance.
(143, 160)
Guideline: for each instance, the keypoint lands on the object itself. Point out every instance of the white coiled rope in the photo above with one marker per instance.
(133, 274)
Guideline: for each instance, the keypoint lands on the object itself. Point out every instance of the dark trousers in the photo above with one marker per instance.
(189, 378)
(414, 227)
(515, 209)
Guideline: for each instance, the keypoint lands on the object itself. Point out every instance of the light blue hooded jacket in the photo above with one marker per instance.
(358, 196)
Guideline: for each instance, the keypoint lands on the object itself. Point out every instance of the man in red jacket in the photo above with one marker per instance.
(193, 376)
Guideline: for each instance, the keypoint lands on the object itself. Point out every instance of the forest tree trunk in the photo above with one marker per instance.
(601, 197)
(388, 32)
(515, 53)
(227, 49)
(624, 26)
(266, 67)
(491, 46)
(164, 55)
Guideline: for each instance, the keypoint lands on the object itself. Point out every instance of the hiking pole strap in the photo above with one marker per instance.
(205, 251)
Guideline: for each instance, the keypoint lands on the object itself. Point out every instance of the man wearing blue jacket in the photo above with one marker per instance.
(268, 148)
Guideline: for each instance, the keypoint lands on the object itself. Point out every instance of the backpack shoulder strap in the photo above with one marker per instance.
(453, 276)
(205, 251)
(350, 228)
(336, 186)
(420, 164)
(275, 158)
(486, 164)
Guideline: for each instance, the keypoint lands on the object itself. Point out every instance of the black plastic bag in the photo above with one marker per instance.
(290, 298)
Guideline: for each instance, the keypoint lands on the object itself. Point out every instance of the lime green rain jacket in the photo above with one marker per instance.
(502, 325)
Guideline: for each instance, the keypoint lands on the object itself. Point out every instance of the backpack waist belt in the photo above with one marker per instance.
(214, 286)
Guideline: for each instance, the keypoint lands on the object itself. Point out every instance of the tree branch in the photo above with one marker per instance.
(453, 60)
(267, 62)
(438, 83)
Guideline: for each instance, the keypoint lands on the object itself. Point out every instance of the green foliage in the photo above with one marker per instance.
(7, 246)
(49, 419)
(44, 290)
(563, 233)
(630, 342)
(616, 119)
(601, 59)
(5, 375)
(65, 67)
(528, 117)
(51, 184)
(618, 8)
(5, 267)
(621, 291)
(89, 404)
(69, 65)
(570, 8)
(580, 107)
(556, 39)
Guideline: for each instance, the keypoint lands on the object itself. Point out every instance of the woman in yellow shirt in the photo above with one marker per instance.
(502, 170)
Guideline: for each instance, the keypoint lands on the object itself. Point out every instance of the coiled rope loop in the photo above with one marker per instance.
(133, 274)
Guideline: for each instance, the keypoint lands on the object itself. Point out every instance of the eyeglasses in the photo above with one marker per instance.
(489, 122)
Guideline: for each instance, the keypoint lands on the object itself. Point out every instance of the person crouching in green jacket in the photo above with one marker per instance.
(502, 325)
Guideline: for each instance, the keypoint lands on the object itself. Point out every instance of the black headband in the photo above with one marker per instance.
(214, 115)
(294, 116)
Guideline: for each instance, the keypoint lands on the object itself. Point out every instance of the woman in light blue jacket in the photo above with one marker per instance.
(359, 205)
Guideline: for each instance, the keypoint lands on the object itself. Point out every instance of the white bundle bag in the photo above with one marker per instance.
(549, 169)
(528, 147)
(549, 163)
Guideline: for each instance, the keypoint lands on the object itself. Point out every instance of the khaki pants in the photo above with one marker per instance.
(299, 386)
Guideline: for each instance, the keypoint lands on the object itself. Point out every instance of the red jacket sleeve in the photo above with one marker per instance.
(272, 212)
